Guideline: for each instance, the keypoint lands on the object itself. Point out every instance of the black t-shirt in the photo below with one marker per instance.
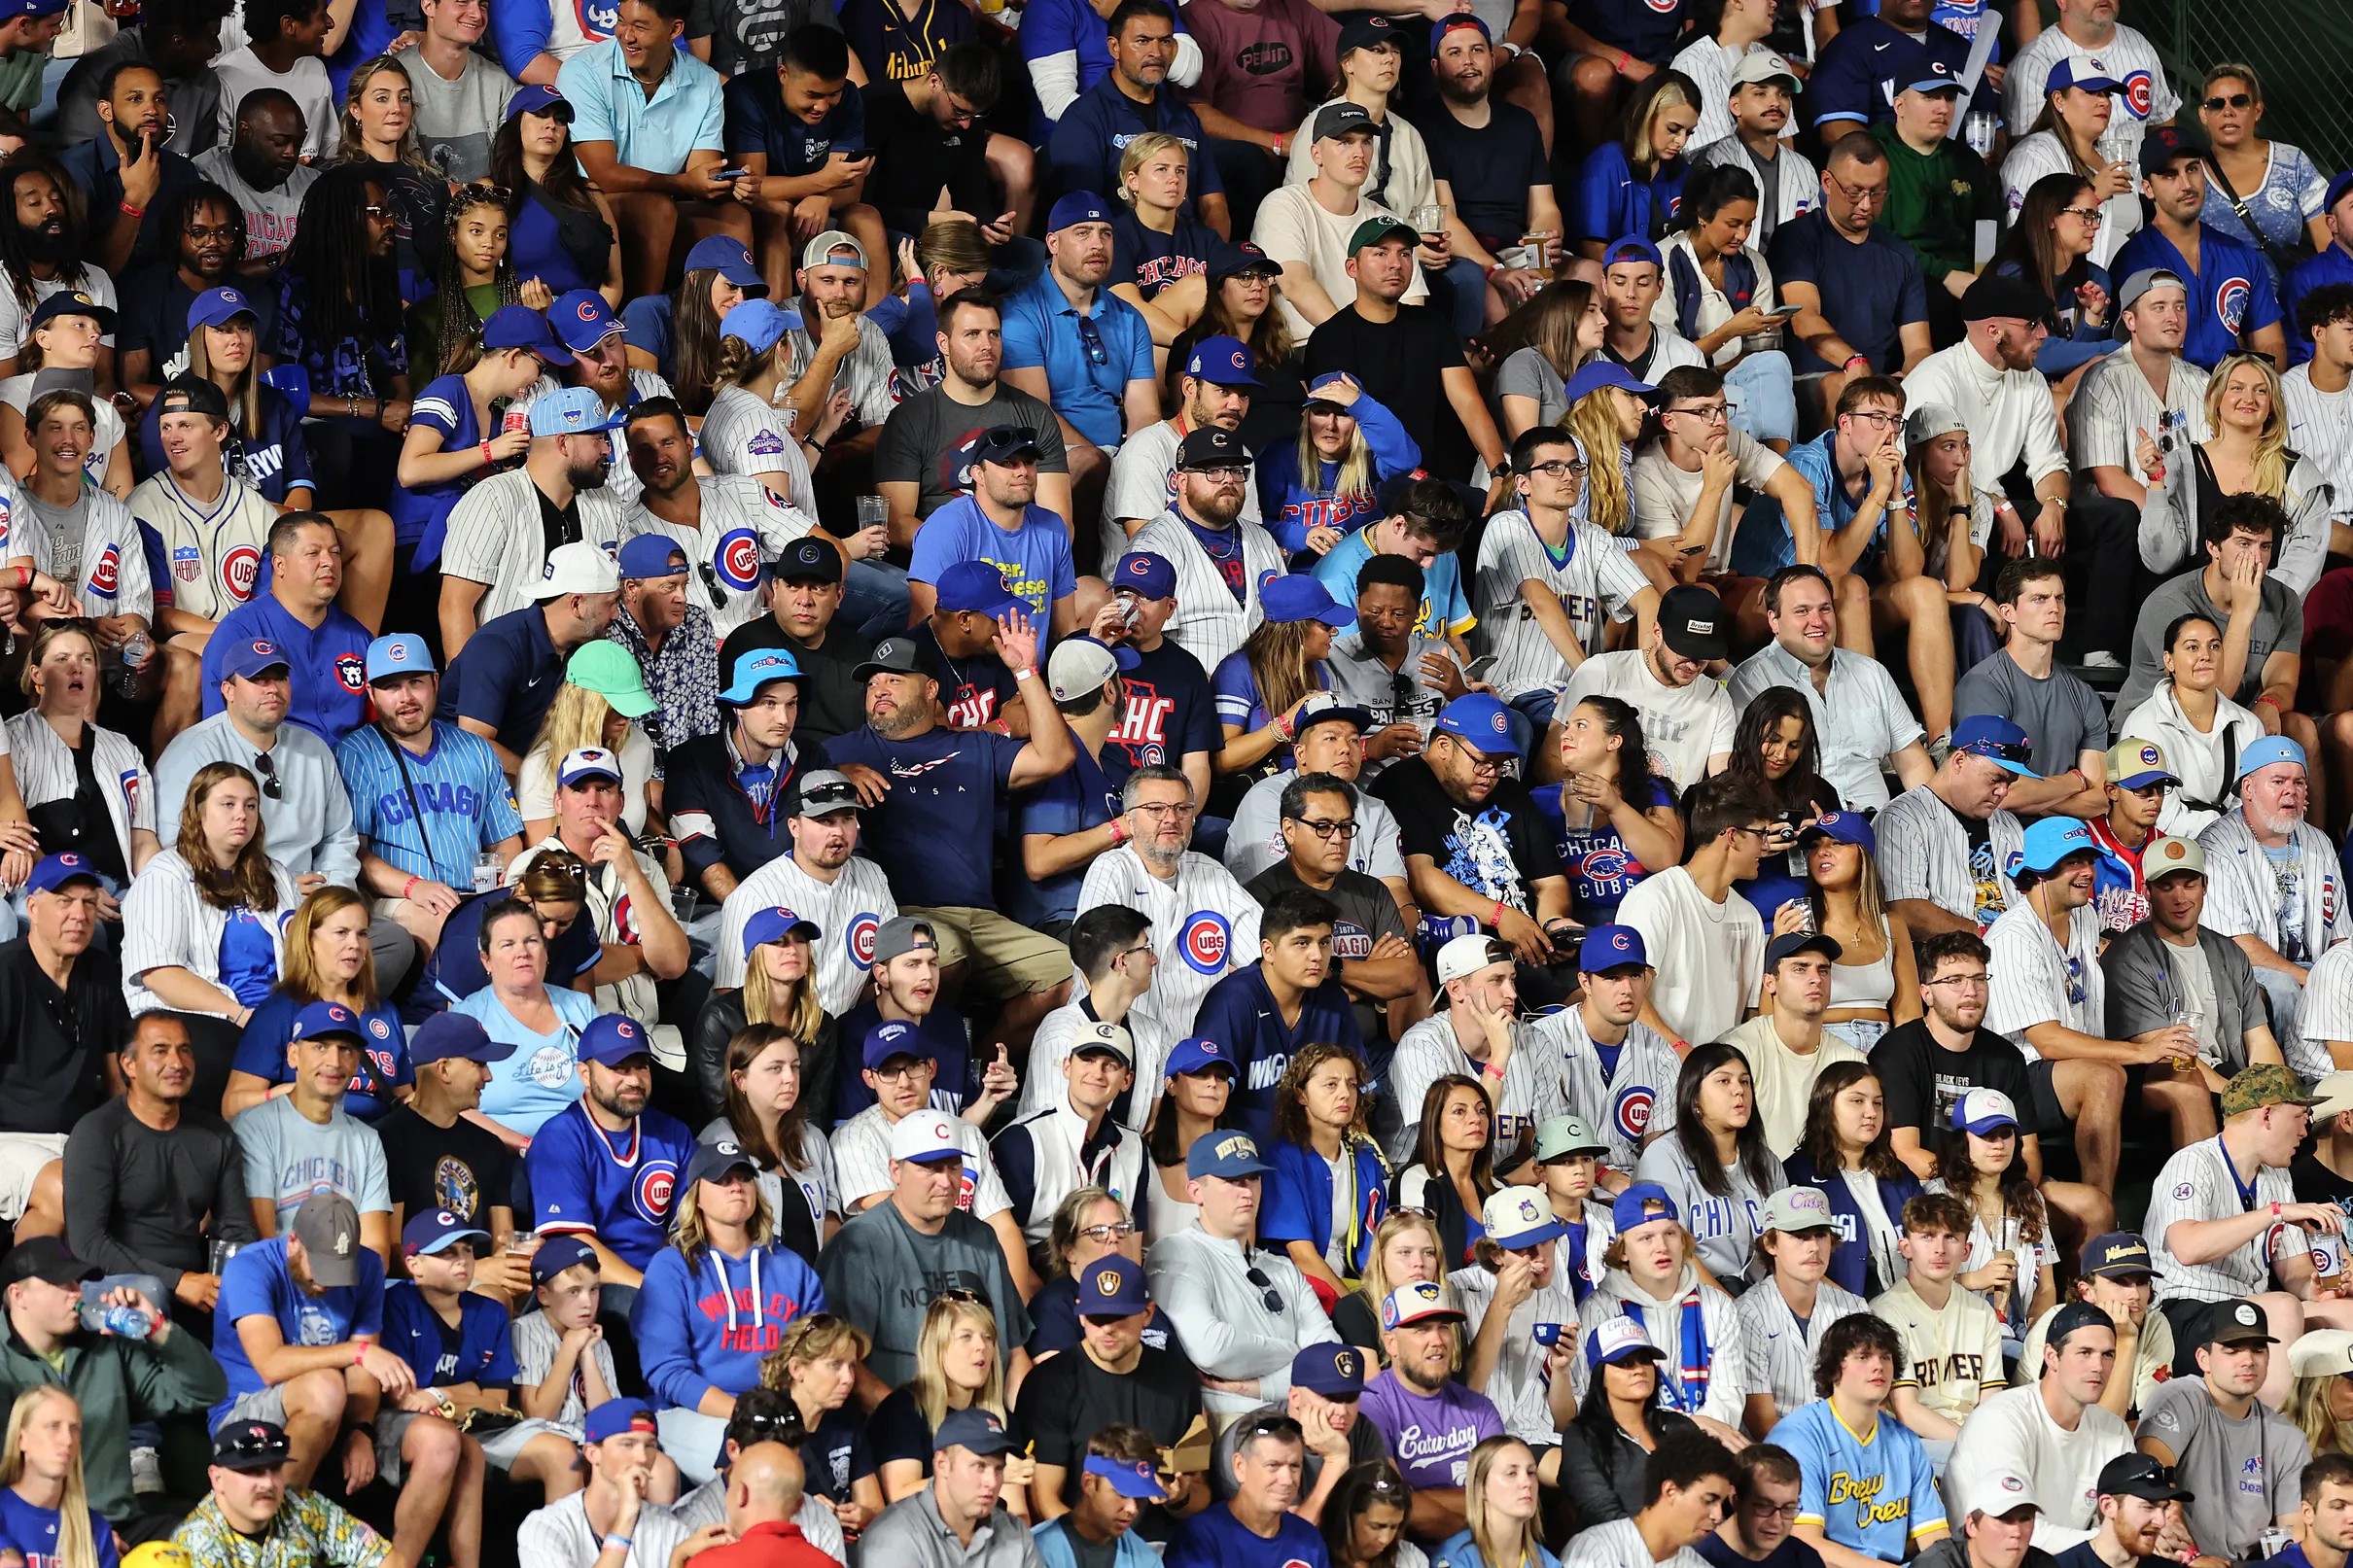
(1920, 1080)
(459, 1167)
(1399, 364)
(1489, 167)
(832, 702)
(1171, 710)
(1069, 1399)
(558, 525)
(1471, 846)
(151, 313)
(836, 1455)
(917, 156)
(974, 690)
(2316, 1183)
(1792, 1552)
(53, 1042)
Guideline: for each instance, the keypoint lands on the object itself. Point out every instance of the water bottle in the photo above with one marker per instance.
(136, 649)
(123, 1322)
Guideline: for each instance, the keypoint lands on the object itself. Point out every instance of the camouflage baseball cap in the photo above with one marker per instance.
(2252, 1089)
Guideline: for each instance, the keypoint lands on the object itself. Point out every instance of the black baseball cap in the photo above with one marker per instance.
(1212, 448)
(191, 395)
(2235, 1322)
(45, 1258)
(2002, 293)
(1365, 30)
(2162, 144)
(2141, 1475)
(893, 655)
(1004, 443)
(1696, 623)
(250, 1445)
(807, 559)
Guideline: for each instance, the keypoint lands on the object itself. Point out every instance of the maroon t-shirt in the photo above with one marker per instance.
(1267, 65)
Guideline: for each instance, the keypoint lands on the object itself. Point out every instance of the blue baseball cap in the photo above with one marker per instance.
(572, 411)
(448, 1036)
(619, 1415)
(587, 762)
(1995, 739)
(2053, 839)
(1479, 721)
(1231, 1155)
(1789, 944)
(1299, 597)
(1631, 248)
(1984, 1111)
(897, 1038)
(613, 1038)
(974, 587)
(758, 323)
(1595, 375)
(54, 871)
(67, 302)
(1078, 207)
(728, 258)
(2269, 749)
(521, 327)
(218, 307)
(2084, 77)
(1330, 1369)
(1198, 1055)
(2135, 764)
(2338, 189)
(1451, 22)
(434, 1231)
(1618, 1339)
(1112, 1287)
(557, 1253)
(1847, 827)
(768, 926)
(1222, 362)
(975, 1430)
(1626, 1210)
(539, 100)
(755, 668)
(581, 319)
(326, 1018)
(652, 555)
(1611, 947)
(252, 657)
(402, 653)
(1145, 575)
(1132, 1479)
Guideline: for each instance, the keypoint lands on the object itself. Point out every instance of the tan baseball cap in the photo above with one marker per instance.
(2170, 856)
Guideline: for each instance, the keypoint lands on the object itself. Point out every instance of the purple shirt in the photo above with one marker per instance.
(1429, 1437)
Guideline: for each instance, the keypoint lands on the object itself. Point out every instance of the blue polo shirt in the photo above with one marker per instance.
(2332, 265)
(2230, 290)
(1214, 1539)
(658, 133)
(329, 664)
(1042, 330)
(1610, 199)
(1240, 1011)
(1869, 291)
(758, 122)
(1098, 126)
(1764, 546)
(1854, 75)
(1034, 559)
(506, 676)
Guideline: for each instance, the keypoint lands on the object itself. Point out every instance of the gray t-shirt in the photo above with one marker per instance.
(457, 120)
(287, 1157)
(270, 216)
(2061, 716)
(882, 1274)
(2279, 623)
(2243, 1474)
(1527, 374)
(63, 526)
(922, 437)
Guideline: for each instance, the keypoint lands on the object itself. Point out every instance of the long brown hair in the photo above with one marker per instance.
(743, 1047)
(694, 352)
(2060, 132)
(298, 973)
(1430, 1150)
(250, 882)
(1290, 1095)
(411, 150)
(1276, 655)
(1547, 323)
(1821, 1140)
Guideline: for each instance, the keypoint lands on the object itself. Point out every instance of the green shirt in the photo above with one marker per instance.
(1936, 200)
(21, 79)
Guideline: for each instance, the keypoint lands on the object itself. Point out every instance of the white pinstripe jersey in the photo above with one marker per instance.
(1924, 853)
(620, 479)
(2035, 980)
(1797, 185)
(867, 372)
(1429, 1051)
(1042, 1085)
(2320, 426)
(1624, 1107)
(496, 539)
(2198, 1183)
(861, 1164)
(2145, 98)
(166, 922)
(1517, 1386)
(212, 554)
(44, 772)
(1727, 1388)
(1208, 623)
(1204, 910)
(2327, 1013)
(1953, 1355)
(110, 567)
(743, 523)
(1593, 583)
(744, 434)
(1619, 1544)
(1782, 1351)
(848, 911)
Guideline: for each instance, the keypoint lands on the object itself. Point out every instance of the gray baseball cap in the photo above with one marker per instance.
(329, 1229)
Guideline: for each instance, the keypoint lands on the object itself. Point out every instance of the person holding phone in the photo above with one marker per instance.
(798, 147)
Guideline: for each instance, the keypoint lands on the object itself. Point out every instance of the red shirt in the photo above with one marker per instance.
(778, 1544)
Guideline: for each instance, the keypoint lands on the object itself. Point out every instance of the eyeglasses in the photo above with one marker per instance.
(1157, 809)
(2233, 100)
(906, 1069)
(1090, 338)
(1975, 982)
(1876, 418)
(211, 232)
(1862, 195)
(1102, 1235)
(379, 214)
(1713, 413)
(1553, 468)
(268, 770)
(1326, 830)
(2091, 216)
(1273, 1297)
(1138, 950)
(1233, 472)
(1775, 1511)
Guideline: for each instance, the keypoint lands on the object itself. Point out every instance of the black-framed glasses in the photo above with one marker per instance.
(1553, 468)
(1327, 830)
(2089, 214)
(1876, 418)
(906, 1068)
(1712, 413)
(2228, 100)
(268, 772)
(1270, 1295)
(1090, 338)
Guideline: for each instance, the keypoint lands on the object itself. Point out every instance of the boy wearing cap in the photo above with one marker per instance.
(1952, 1341)
(2113, 1275)
(563, 1368)
(1213, 391)
(1869, 1492)
(1705, 943)
(906, 998)
(1617, 1073)
(1637, 349)
(1998, 1518)
(999, 524)
(2241, 1459)
(2127, 828)
(1476, 1034)
(1568, 1158)
(628, 892)
(1788, 1311)
(610, 1521)
(724, 792)
(2143, 387)
(1520, 1316)
(1430, 1422)
(1044, 1158)
(825, 880)
(303, 1141)
(1172, 715)
(607, 1167)
(1785, 1044)
(254, 1506)
(1687, 721)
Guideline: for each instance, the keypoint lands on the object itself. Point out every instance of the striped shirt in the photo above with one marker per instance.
(167, 923)
(1924, 853)
(743, 434)
(1625, 1105)
(1781, 1350)
(848, 911)
(201, 559)
(108, 565)
(2144, 98)
(1594, 582)
(2199, 1183)
(496, 539)
(2114, 403)
(743, 523)
(2036, 981)
(1430, 1049)
(620, 479)
(1149, 1038)
(862, 1165)
(2320, 426)
(464, 799)
(1204, 925)
(45, 773)
(1210, 622)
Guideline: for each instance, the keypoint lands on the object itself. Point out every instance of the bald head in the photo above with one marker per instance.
(764, 1487)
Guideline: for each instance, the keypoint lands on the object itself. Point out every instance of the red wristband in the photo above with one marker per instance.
(408, 886)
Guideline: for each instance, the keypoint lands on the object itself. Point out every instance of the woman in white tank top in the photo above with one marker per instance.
(1200, 1089)
(1875, 985)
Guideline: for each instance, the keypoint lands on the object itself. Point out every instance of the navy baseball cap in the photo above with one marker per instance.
(326, 1018)
(1231, 1155)
(717, 1158)
(1146, 575)
(1367, 30)
(768, 926)
(897, 1038)
(1995, 739)
(2117, 1255)
(580, 320)
(1005, 444)
(973, 1429)
(1479, 721)
(447, 1035)
(1112, 1287)
(218, 307)
(754, 669)
(652, 555)
(1789, 944)
(1331, 1369)
(1935, 75)
(71, 303)
(1629, 248)
(254, 657)
(54, 871)
(728, 257)
(616, 1416)
(1611, 947)
(977, 587)
(1453, 22)
(557, 1253)
(1199, 1054)
(1223, 361)
(1239, 258)
(540, 100)
(398, 655)
(1078, 207)
(610, 1040)
(435, 1229)
(521, 327)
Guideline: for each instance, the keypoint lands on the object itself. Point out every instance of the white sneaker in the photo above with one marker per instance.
(2102, 659)
(146, 1472)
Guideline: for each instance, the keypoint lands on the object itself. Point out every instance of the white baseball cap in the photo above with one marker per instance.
(2001, 1490)
(925, 1135)
(578, 568)
(1468, 955)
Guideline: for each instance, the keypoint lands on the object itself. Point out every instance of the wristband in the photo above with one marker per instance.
(359, 1356)
(486, 457)
(2268, 700)
(1491, 1071)
(1497, 919)
(1119, 832)
(2275, 1208)
(1283, 725)
(617, 1542)
(1853, 359)
(1624, 58)
(129, 211)
(408, 886)
(25, 577)
(1029, 673)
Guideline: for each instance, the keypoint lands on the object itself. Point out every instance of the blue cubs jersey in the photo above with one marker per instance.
(619, 1186)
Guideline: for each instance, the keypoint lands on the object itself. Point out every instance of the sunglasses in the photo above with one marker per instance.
(2232, 100)
(1271, 1426)
(1268, 1293)
(268, 770)
(1090, 338)
(1100, 1234)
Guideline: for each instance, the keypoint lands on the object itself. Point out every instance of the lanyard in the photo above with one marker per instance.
(416, 812)
(2246, 1189)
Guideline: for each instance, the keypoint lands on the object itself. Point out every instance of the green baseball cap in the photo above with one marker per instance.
(1560, 1137)
(2253, 1089)
(1373, 230)
(606, 669)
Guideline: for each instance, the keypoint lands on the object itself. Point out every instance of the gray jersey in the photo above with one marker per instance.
(2242, 1474)
(1780, 1348)
(1625, 1105)
(1210, 622)
(536, 1342)
(1595, 580)
(2199, 1183)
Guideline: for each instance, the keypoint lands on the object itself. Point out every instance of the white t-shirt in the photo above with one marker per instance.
(242, 72)
(1684, 725)
(1708, 957)
(1665, 495)
(15, 319)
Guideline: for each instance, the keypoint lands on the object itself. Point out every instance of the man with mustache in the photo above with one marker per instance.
(208, 238)
(1764, 86)
(128, 176)
(178, 38)
(252, 1506)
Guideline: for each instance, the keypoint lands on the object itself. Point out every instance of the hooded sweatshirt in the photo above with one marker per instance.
(704, 1323)
(1722, 1393)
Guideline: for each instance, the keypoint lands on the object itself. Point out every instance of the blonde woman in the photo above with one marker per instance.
(2320, 1401)
(2064, 139)
(328, 960)
(41, 1465)
(1261, 684)
(721, 1245)
(817, 1364)
(603, 691)
(1633, 185)
(1406, 1247)
(380, 135)
(2248, 452)
(1160, 252)
(1500, 1517)
(1317, 490)
(1874, 984)
(767, 1112)
(958, 1366)
(67, 333)
(779, 990)
(1606, 420)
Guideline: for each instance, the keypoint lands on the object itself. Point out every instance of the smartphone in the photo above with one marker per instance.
(854, 155)
(730, 174)
(1478, 667)
(1785, 310)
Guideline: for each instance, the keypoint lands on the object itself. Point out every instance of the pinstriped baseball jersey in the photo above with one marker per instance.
(1210, 623)
(1592, 577)
(1619, 1544)
(209, 556)
(620, 479)
(44, 772)
(1797, 185)
(1204, 925)
(2328, 1010)
(166, 922)
(743, 523)
(848, 911)
(1042, 1088)
(861, 1164)
(2199, 1183)
(496, 539)
(1780, 1348)
(745, 434)
(1429, 1051)
(1951, 1354)
(109, 572)
(1925, 854)
(2320, 426)
(1517, 1386)
(2036, 981)
(1623, 1106)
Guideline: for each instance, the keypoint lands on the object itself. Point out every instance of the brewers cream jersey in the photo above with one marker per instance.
(743, 523)
(1952, 1355)
(210, 556)
(1626, 1104)
(862, 1165)
(2036, 981)
(620, 479)
(1429, 1051)
(496, 539)
(1780, 1348)
(1210, 622)
(1925, 854)
(1593, 578)
(1203, 925)
(2199, 1183)
(848, 911)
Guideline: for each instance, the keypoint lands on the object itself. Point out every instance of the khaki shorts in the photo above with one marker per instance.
(21, 1157)
(1003, 958)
